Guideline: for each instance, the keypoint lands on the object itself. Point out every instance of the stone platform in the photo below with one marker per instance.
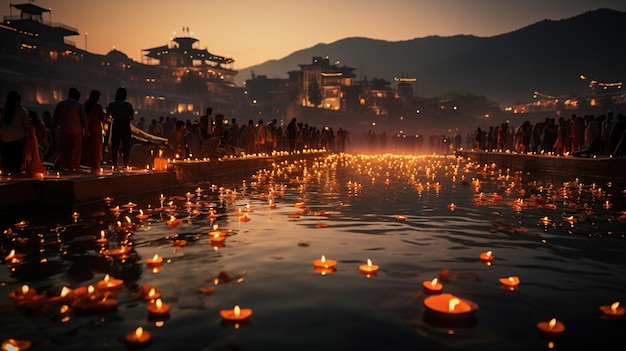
(58, 190)
(602, 168)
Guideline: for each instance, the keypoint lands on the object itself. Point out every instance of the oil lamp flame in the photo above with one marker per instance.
(453, 303)
(237, 310)
(614, 307)
(552, 323)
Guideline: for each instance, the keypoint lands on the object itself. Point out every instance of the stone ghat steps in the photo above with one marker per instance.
(601, 169)
(72, 190)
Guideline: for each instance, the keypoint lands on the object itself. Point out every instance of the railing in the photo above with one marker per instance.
(39, 20)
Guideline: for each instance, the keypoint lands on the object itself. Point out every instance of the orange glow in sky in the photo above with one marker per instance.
(253, 31)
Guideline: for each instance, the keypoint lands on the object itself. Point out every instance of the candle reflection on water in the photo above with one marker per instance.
(363, 222)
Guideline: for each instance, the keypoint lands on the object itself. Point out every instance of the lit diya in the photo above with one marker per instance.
(614, 310)
(108, 200)
(156, 260)
(324, 263)
(368, 268)
(173, 222)
(158, 308)
(217, 238)
(65, 296)
(141, 216)
(21, 224)
(450, 306)
(109, 283)
(102, 239)
(487, 257)
(545, 220)
(138, 338)
(14, 344)
(14, 257)
(148, 292)
(553, 328)
(432, 287)
(130, 205)
(119, 251)
(116, 210)
(236, 314)
(401, 217)
(509, 282)
(220, 232)
(23, 293)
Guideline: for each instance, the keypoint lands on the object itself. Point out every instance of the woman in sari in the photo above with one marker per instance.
(93, 143)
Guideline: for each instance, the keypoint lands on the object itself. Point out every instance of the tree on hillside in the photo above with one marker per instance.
(315, 94)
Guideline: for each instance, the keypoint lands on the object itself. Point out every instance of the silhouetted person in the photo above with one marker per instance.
(292, 134)
(93, 144)
(121, 113)
(13, 124)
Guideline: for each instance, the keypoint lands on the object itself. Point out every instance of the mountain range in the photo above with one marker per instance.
(547, 56)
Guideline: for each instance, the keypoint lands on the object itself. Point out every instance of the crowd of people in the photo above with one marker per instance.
(79, 135)
(71, 138)
(579, 136)
(211, 137)
(87, 135)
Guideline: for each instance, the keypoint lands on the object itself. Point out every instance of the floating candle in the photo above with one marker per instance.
(552, 328)
(23, 293)
(487, 256)
(401, 217)
(217, 238)
(141, 216)
(173, 222)
(545, 220)
(236, 314)
(450, 306)
(509, 282)
(108, 200)
(119, 251)
(432, 287)
(65, 296)
(14, 344)
(130, 204)
(324, 263)
(613, 310)
(109, 283)
(156, 260)
(158, 308)
(138, 338)
(102, 239)
(368, 268)
(148, 292)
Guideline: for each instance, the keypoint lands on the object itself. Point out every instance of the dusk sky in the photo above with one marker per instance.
(253, 31)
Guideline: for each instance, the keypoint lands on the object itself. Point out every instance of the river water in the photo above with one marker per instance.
(412, 216)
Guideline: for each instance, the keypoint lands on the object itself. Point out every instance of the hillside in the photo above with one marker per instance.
(548, 56)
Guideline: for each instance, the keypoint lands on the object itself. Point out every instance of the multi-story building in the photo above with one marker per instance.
(176, 79)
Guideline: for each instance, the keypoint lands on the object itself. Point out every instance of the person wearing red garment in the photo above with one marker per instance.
(93, 143)
(70, 120)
